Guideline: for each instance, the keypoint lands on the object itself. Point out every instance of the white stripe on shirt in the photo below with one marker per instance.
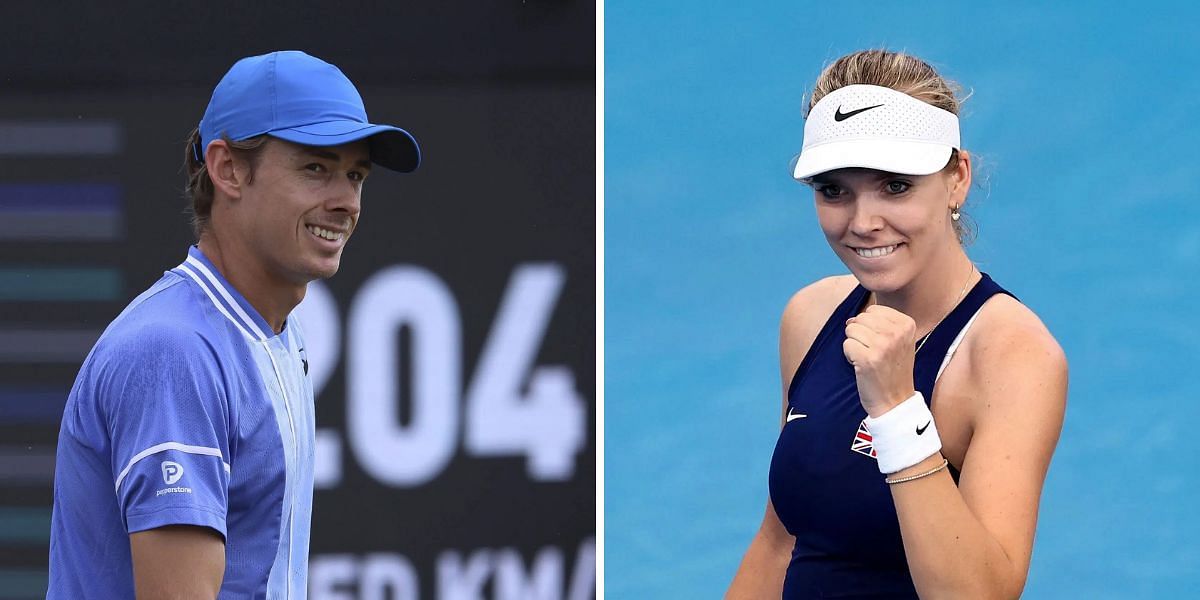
(169, 446)
(237, 308)
(215, 301)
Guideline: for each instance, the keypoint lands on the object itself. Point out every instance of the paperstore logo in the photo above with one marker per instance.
(172, 471)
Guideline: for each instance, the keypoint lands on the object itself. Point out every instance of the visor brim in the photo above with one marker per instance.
(905, 157)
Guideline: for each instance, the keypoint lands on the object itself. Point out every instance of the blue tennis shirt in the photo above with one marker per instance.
(189, 410)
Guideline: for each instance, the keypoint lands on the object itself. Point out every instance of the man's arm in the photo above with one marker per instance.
(181, 562)
(168, 416)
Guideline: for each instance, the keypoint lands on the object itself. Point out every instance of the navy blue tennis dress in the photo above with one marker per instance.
(825, 483)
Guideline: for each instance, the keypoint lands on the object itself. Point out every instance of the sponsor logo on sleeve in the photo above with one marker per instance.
(172, 472)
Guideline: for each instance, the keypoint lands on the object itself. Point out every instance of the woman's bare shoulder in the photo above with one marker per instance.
(816, 301)
(805, 314)
(1006, 327)
(1010, 344)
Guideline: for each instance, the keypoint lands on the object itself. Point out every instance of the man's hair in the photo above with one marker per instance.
(199, 187)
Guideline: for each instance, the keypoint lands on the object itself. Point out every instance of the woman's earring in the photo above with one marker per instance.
(954, 214)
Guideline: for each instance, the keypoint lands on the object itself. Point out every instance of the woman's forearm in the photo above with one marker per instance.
(950, 553)
(760, 574)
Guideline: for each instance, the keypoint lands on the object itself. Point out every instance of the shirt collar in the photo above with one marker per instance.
(227, 299)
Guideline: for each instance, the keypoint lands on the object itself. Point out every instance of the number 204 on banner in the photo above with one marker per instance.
(509, 407)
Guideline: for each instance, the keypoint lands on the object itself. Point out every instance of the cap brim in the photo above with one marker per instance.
(906, 157)
(391, 147)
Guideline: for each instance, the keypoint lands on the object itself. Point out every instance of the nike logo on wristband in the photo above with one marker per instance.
(922, 428)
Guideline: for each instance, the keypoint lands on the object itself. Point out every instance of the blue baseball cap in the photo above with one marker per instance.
(302, 99)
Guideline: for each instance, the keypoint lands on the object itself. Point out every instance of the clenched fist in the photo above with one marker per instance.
(879, 343)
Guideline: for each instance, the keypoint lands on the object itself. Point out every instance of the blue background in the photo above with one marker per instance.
(1085, 117)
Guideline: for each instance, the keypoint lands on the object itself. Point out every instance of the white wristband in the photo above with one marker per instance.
(904, 435)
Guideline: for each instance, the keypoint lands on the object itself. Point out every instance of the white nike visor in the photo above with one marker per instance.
(875, 127)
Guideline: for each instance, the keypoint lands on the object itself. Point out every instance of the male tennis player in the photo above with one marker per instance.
(185, 457)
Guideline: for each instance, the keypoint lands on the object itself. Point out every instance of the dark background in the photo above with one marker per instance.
(501, 96)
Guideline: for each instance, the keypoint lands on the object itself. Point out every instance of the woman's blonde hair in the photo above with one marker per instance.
(901, 72)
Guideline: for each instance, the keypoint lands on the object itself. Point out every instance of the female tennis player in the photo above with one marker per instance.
(922, 401)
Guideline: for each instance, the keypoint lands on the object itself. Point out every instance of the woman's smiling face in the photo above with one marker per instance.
(888, 227)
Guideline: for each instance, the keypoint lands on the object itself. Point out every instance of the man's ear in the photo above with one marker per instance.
(226, 174)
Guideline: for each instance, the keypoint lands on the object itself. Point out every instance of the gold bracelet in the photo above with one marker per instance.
(945, 463)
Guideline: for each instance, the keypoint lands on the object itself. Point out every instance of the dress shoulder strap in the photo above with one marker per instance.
(849, 307)
(935, 354)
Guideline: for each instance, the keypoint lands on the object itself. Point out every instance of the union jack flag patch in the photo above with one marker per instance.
(862, 441)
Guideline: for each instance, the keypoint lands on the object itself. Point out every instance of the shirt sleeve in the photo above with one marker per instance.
(167, 413)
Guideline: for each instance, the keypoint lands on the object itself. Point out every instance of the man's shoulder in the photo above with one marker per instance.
(165, 318)
(160, 347)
